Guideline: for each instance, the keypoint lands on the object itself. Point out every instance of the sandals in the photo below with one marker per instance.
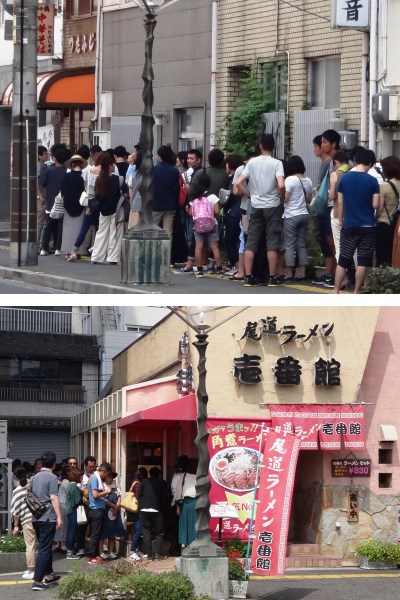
(72, 257)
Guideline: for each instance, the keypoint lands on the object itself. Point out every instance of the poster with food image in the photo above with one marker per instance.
(236, 449)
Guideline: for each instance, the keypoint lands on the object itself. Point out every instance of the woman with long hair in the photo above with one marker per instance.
(386, 232)
(71, 190)
(107, 244)
(135, 555)
(134, 181)
(23, 517)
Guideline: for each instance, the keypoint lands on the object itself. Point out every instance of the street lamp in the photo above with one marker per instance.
(201, 319)
(146, 247)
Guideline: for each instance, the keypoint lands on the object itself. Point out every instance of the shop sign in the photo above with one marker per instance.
(82, 43)
(45, 29)
(236, 447)
(350, 14)
(274, 500)
(352, 505)
(321, 424)
(352, 467)
(34, 422)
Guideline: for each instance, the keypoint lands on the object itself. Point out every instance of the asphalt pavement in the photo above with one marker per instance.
(297, 584)
(82, 277)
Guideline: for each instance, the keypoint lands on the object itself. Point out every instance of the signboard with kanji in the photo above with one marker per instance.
(352, 506)
(351, 467)
(45, 29)
(350, 14)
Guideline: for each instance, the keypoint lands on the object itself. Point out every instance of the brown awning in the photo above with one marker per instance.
(66, 88)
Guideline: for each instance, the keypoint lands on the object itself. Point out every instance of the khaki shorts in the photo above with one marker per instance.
(268, 220)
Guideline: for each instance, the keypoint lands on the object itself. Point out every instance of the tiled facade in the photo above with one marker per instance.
(248, 36)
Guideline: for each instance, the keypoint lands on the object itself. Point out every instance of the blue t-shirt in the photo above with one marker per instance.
(357, 189)
(94, 503)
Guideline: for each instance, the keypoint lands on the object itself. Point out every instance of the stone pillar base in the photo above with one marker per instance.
(145, 260)
(209, 575)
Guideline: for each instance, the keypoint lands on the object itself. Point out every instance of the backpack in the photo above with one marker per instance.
(203, 215)
(34, 504)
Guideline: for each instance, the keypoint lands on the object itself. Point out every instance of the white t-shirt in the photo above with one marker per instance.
(262, 172)
(296, 205)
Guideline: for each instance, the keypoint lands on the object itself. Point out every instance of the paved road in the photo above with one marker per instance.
(351, 584)
(15, 287)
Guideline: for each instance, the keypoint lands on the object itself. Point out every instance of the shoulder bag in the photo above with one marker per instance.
(81, 517)
(34, 504)
(129, 502)
(57, 212)
(321, 199)
(396, 214)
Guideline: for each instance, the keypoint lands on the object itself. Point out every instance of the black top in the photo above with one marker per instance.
(71, 190)
(51, 179)
(153, 493)
(166, 187)
(108, 204)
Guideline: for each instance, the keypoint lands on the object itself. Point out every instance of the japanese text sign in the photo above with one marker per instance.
(324, 423)
(274, 500)
(351, 13)
(352, 506)
(351, 467)
(235, 447)
(45, 29)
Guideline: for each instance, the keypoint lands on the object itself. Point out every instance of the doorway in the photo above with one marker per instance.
(307, 498)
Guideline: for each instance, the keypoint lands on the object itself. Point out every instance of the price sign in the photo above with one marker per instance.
(352, 467)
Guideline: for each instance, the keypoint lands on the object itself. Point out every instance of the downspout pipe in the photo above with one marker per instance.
(364, 89)
(373, 66)
(96, 119)
(213, 105)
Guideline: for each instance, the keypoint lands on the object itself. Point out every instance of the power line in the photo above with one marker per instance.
(306, 11)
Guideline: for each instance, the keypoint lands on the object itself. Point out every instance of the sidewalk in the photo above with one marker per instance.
(82, 277)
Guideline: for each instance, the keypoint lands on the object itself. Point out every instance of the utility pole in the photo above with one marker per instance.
(23, 243)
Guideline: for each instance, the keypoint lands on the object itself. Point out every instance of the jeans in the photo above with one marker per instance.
(52, 227)
(152, 520)
(96, 519)
(138, 532)
(88, 221)
(232, 232)
(190, 241)
(72, 528)
(45, 532)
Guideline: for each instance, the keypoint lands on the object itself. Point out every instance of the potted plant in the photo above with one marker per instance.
(12, 553)
(237, 576)
(378, 554)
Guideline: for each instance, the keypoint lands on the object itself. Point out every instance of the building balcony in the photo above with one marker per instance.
(45, 321)
(67, 395)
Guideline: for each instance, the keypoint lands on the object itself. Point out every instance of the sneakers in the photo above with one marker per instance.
(220, 272)
(44, 253)
(134, 557)
(275, 281)
(52, 581)
(159, 557)
(112, 556)
(104, 556)
(58, 253)
(80, 552)
(183, 270)
(250, 281)
(40, 587)
(98, 560)
(323, 280)
(28, 575)
(72, 556)
(200, 272)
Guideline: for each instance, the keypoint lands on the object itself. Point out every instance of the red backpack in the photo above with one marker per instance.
(203, 215)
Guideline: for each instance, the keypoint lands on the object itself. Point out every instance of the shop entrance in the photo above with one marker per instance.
(143, 454)
(307, 498)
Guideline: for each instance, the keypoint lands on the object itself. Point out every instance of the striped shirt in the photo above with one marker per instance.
(19, 507)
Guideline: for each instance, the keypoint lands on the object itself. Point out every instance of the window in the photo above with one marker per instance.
(39, 374)
(324, 82)
(83, 8)
(385, 480)
(385, 456)
(274, 77)
(191, 125)
(138, 328)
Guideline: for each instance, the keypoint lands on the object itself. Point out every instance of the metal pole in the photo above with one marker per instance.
(23, 243)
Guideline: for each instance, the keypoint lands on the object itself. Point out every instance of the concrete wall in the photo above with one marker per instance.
(181, 58)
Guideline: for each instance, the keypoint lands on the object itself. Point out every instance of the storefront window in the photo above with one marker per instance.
(83, 8)
(113, 455)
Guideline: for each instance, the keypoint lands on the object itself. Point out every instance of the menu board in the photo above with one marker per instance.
(352, 467)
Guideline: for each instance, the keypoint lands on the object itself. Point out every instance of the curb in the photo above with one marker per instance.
(66, 284)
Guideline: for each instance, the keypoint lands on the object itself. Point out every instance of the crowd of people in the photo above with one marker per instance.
(83, 513)
(246, 218)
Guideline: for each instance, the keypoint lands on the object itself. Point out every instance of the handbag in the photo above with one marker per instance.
(34, 504)
(57, 212)
(84, 199)
(321, 198)
(81, 517)
(129, 502)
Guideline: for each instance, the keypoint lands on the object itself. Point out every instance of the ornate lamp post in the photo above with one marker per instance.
(201, 319)
(146, 247)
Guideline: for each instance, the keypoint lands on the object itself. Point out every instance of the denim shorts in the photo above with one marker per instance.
(210, 236)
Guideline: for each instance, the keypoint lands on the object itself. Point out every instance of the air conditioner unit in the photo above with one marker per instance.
(385, 108)
(106, 99)
(349, 139)
(102, 139)
(337, 124)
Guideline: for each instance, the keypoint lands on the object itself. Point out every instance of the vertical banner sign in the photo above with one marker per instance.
(45, 29)
(352, 505)
(398, 522)
(235, 447)
(274, 503)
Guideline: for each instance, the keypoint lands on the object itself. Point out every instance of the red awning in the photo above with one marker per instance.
(180, 409)
(65, 88)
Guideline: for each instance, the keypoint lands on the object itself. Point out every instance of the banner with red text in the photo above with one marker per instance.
(236, 447)
(45, 29)
(326, 424)
(274, 499)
